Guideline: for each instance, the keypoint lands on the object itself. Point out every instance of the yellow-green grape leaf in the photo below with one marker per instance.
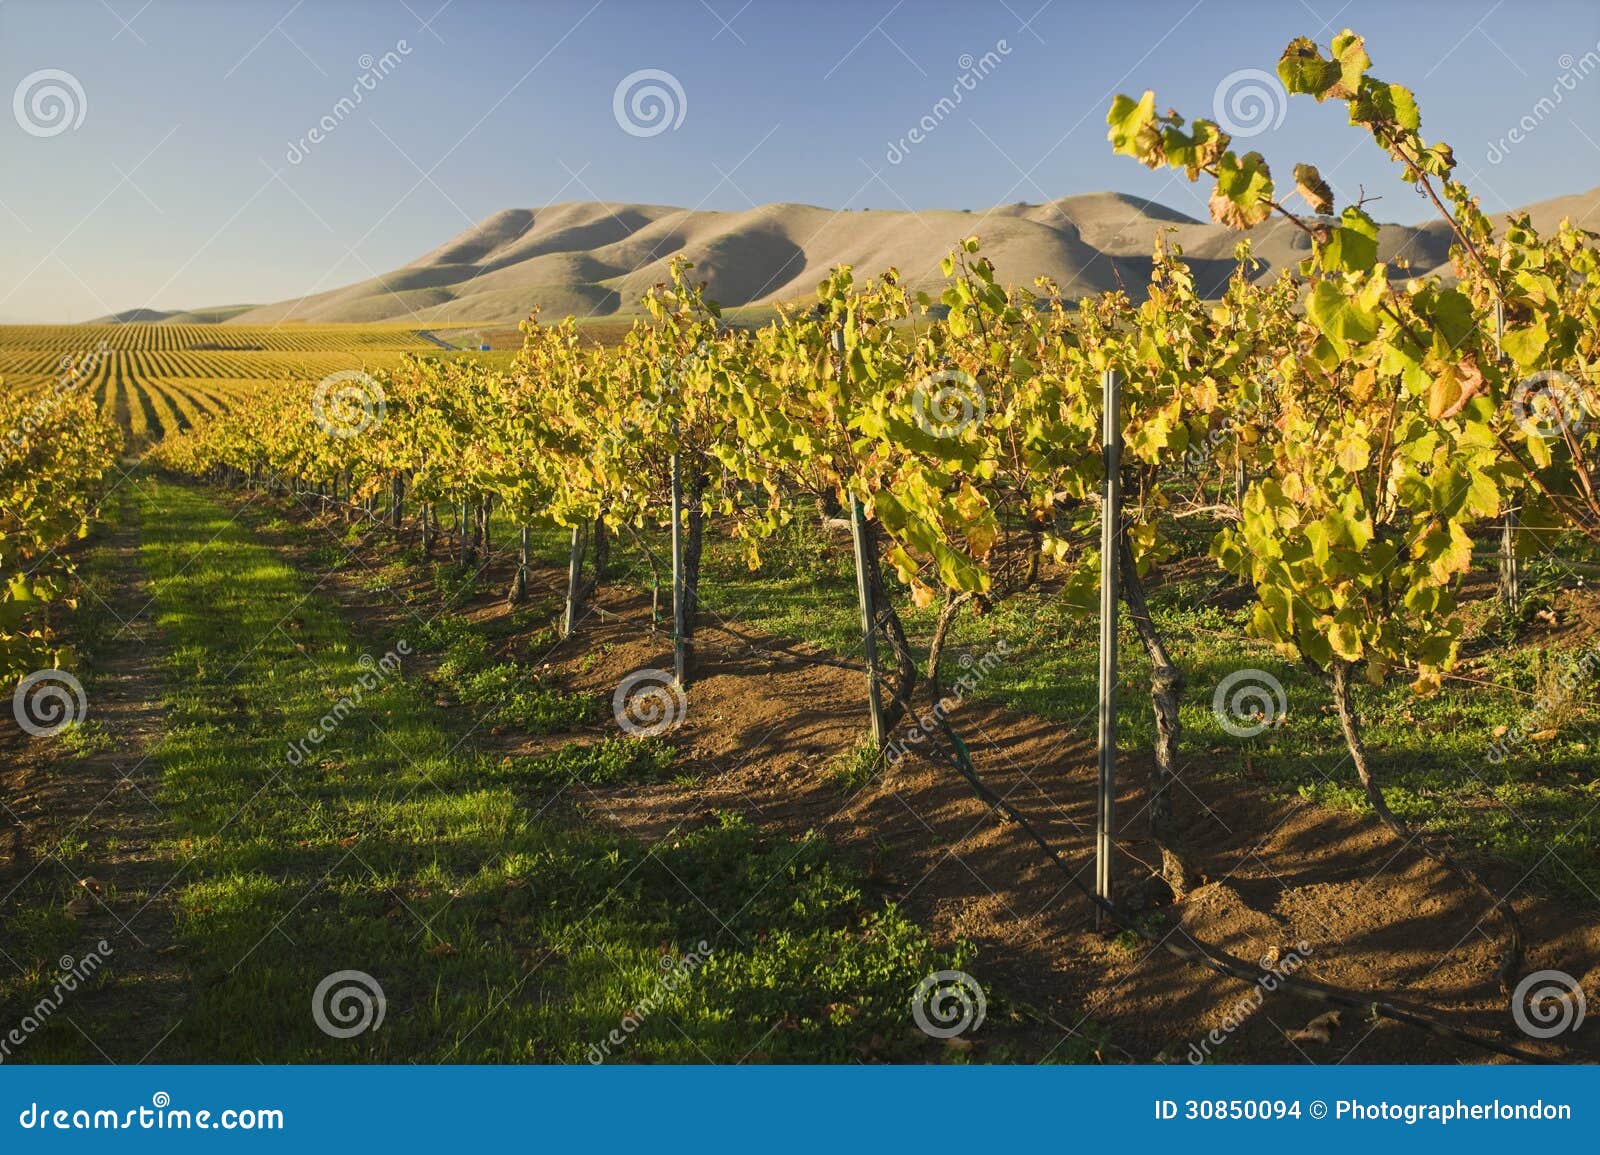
(1132, 125)
(1341, 318)
(1353, 246)
(1243, 197)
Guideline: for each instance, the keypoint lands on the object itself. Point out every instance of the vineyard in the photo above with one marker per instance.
(151, 380)
(750, 681)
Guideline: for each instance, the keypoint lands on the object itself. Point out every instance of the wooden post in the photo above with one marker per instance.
(1110, 544)
(519, 580)
(574, 579)
(1510, 570)
(397, 497)
(680, 656)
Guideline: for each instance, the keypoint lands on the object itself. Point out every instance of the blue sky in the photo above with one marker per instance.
(177, 189)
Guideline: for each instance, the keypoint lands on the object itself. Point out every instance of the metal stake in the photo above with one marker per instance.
(862, 542)
(574, 576)
(680, 657)
(1110, 541)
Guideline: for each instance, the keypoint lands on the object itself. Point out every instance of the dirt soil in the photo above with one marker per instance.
(1323, 894)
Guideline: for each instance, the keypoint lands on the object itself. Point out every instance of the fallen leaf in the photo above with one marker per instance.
(1318, 1030)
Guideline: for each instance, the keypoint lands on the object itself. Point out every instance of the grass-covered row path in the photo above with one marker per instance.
(499, 927)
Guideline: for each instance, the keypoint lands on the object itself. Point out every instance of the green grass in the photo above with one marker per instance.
(503, 692)
(396, 850)
(85, 738)
(606, 762)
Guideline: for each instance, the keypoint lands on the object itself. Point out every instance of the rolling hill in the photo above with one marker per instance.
(594, 259)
